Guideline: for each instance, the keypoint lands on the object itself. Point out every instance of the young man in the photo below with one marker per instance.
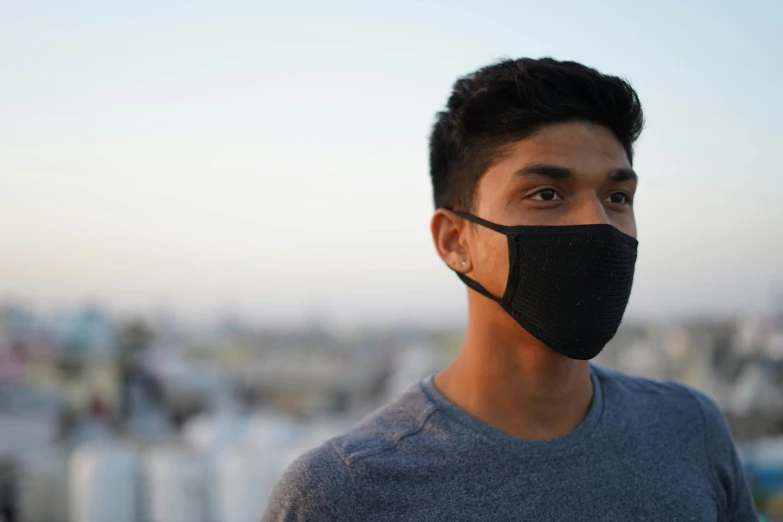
(531, 170)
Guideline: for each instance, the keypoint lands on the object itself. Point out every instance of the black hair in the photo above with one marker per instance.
(511, 100)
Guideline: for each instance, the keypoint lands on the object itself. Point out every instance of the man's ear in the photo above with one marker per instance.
(450, 235)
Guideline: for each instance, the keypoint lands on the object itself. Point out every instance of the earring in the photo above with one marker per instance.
(463, 262)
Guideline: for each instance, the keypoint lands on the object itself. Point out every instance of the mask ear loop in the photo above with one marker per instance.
(503, 229)
(473, 284)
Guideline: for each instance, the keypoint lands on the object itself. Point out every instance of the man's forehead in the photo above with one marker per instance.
(564, 143)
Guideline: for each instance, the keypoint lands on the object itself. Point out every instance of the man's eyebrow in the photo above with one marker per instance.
(555, 172)
(623, 175)
(540, 169)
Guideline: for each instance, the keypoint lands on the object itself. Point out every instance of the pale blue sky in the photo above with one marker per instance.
(271, 158)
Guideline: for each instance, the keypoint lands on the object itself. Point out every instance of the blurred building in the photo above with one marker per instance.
(177, 424)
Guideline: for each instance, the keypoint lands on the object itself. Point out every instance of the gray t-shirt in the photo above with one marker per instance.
(651, 451)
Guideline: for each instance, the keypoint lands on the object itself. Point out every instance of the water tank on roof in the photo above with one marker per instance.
(103, 483)
(211, 431)
(43, 486)
(241, 480)
(173, 485)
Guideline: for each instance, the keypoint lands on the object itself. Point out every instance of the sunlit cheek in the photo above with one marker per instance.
(626, 223)
(494, 264)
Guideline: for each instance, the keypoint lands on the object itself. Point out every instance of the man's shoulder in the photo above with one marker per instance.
(383, 429)
(321, 484)
(316, 486)
(661, 398)
(649, 390)
(693, 415)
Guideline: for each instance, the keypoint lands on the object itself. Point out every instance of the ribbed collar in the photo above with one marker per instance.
(574, 437)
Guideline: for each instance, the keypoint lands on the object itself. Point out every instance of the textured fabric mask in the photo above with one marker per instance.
(568, 286)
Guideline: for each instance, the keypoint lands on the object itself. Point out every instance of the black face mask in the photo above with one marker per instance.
(568, 286)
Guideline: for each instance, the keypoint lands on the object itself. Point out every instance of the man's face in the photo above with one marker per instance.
(565, 174)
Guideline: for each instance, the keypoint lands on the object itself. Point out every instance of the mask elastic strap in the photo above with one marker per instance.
(483, 222)
(470, 283)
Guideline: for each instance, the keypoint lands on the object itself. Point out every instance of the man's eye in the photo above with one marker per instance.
(618, 198)
(546, 195)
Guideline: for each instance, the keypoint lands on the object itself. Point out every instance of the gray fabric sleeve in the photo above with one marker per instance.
(316, 486)
(727, 468)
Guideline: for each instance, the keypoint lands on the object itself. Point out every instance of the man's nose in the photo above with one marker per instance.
(590, 210)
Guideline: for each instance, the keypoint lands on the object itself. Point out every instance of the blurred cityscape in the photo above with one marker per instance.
(107, 419)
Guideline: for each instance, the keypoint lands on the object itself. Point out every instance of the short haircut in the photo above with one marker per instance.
(512, 100)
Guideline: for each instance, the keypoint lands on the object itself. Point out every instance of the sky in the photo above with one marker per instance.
(269, 160)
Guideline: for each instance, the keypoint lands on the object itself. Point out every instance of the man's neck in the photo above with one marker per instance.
(510, 380)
